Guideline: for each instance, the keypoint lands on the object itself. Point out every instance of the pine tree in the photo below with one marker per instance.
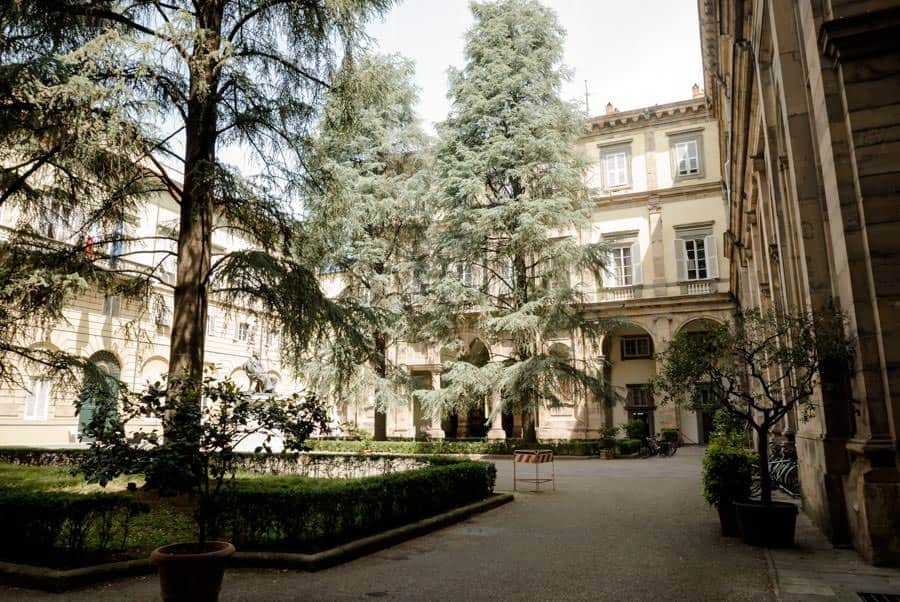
(99, 98)
(511, 244)
(374, 214)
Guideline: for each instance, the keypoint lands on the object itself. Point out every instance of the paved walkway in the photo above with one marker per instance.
(613, 530)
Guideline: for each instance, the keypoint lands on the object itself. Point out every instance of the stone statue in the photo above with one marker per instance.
(260, 382)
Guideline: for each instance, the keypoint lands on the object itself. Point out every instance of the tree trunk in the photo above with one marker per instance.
(529, 428)
(197, 201)
(765, 479)
(380, 428)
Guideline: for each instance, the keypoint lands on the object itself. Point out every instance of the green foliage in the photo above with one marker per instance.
(100, 98)
(635, 429)
(574, 447)
(58, 527)
(729, 428)
(608, 436)
(758, 369)
(372, 219)
(204, 421)
(669, 434)
(285, 511)
(510, 188)
(727, 473)
(629, 446)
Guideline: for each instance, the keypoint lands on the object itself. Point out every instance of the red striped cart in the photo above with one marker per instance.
(536, 457)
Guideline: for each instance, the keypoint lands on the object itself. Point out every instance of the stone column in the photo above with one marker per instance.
(666, 416)
(496, 431)
(435, 431)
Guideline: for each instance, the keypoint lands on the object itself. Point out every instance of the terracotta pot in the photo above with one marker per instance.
(728, 519)
(771, 525)
(189, 572)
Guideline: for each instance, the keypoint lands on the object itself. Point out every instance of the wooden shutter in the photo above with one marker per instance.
(680, 260)
(609, 274)
(712, 257)
(637, 272)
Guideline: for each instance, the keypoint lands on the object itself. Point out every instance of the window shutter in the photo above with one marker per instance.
(31, 399)
(609, 273)
(680, 260)
(637, 272)
(712, 257)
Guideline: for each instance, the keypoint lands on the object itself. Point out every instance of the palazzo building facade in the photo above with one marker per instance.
(806, 95)
(655, 179)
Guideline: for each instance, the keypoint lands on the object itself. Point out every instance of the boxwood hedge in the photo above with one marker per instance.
(286, 512)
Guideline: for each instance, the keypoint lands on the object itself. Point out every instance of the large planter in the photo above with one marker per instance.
(728, 519)
(771, 525)
(187, 572)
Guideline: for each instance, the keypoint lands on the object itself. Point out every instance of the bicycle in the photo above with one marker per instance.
(655, 447)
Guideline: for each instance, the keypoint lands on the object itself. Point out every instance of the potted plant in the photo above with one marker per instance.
(608, 441)
(727, 475)
(203, 422)
(757, 368)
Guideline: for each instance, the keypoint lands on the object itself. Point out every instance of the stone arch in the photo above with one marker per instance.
(153, 369)
(697, 324)
(629, 350)
(109, 366)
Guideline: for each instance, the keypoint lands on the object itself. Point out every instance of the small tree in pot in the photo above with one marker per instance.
(727, 470)
(757, 368)
(204, 421)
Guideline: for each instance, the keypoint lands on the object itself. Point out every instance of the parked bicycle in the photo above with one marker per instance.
(655, 447)
(783, 471)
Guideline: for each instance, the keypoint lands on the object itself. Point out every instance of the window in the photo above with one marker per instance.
(686, 150)
(210, 325)
(55, 221)
(38, 399)
(615, 169)
(506, 277)
(695, 251)
(687, 158)
(696, 257)
(272, 338)
(468, 274)
(111, 305)
(638, 396)
(624, 267)
(242, 331)
(621, 266)
(636, 347)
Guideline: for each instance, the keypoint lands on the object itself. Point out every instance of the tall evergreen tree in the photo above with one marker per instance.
(374, 215)
(513, 211)
(99, 96)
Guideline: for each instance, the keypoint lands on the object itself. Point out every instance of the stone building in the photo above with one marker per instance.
(127, 339)
(655, 177)
(807, 98)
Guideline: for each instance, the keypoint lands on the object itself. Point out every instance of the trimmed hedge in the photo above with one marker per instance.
(574, 447)
(629, 446)
(61, 528)
(286, 512)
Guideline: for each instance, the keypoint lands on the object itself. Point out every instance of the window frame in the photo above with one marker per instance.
(627, 271)
(35, 382)
(644, 388)
(608, 150)
(678, 138)
(637, 355)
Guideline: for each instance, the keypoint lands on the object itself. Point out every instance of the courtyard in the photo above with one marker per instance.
(613, 530)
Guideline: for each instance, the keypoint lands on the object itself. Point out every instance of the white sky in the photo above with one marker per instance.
(635, 53)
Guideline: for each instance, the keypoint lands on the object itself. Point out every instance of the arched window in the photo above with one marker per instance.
(99, 385)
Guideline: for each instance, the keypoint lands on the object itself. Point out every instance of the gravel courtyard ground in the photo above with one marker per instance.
(613, 530)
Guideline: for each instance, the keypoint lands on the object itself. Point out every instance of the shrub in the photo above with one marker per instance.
(608, 436)
(629, 446)
(291, 512)
(727, 473)
(62, 528)
(669, 434)
(635, 429)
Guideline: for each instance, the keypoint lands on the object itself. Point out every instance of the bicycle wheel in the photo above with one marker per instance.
(790, 482)
(644, 451)
(673, 447)
(755, 482)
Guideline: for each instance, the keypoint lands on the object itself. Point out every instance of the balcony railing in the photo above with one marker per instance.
(700, 287)
(622, 293)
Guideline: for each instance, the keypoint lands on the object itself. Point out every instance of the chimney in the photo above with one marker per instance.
(696, 92)
(610, 108)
